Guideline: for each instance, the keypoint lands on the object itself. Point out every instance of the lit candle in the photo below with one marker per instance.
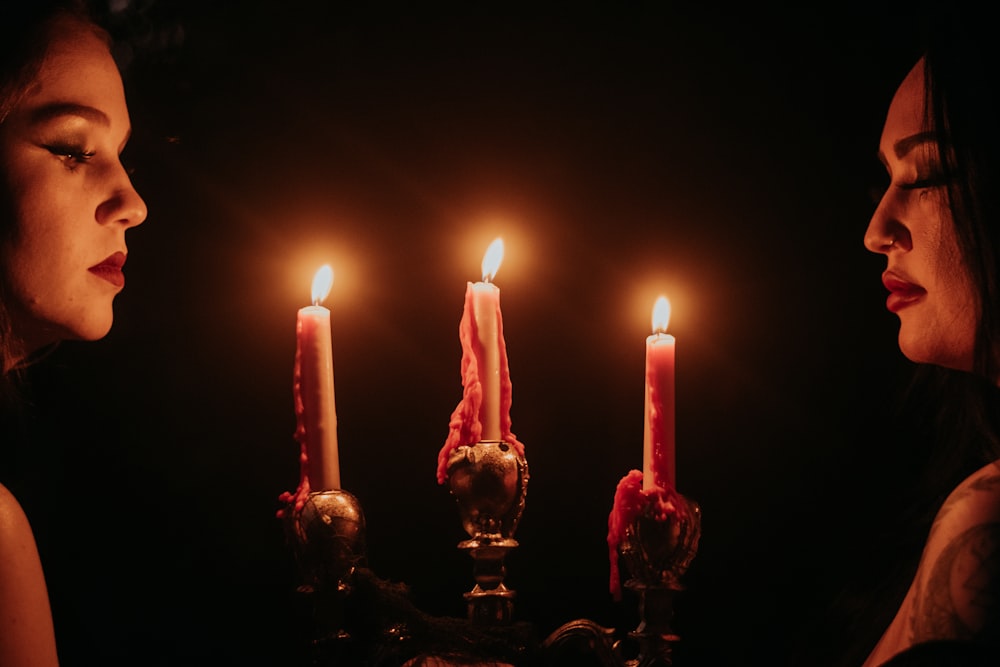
(315, 405)
(486, 316)
(484, 412)
(658, 440)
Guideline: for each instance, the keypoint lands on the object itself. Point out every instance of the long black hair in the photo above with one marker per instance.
(962, 68)
(947, 422)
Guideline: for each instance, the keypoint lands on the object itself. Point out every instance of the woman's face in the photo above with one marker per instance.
(67, 194)
(929, 286)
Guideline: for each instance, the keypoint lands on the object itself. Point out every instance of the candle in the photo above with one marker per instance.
(486, 318)
(484, 412)
(315, 404)
(658, 436)
(650, 492)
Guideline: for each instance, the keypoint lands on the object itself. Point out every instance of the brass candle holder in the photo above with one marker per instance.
(489, 481)
(656, 552)
(328, 540)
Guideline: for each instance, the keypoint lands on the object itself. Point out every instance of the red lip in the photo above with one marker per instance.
(902, 293)
(111, 269)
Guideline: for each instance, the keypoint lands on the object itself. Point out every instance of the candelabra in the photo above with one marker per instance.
(360, 621)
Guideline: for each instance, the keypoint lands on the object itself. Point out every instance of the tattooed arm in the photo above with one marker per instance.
(955, 594)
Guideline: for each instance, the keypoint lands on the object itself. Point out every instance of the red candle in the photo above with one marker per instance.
(315, 404)
(486, 317)
(484, 412)
(658, 440)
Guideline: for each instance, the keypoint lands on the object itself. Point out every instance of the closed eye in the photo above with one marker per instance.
(925, 183)
(72, 154)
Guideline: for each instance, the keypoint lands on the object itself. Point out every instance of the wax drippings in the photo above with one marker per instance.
(465, 427)
(630, 502)
(298, 498)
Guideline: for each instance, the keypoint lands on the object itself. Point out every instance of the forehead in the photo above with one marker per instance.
(77, 68)
(906, 115)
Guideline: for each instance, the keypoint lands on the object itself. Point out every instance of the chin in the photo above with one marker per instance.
(97, 334)
(940, 353)
(92, 329)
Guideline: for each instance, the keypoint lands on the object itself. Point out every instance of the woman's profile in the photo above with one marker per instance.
(938, 228)
(66, 202)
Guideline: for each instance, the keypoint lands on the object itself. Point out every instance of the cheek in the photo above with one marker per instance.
(948, 264)
(934, 238)
(958, 303)
(40, 252)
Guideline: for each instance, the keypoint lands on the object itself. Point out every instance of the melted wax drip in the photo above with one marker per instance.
(465, 427)
(301, 494)
(631, 501)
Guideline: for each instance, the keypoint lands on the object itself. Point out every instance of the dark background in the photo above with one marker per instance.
(724, 158)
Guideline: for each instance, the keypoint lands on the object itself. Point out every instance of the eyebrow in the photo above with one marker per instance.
(62, 109)
(59, 109)
(905, 145)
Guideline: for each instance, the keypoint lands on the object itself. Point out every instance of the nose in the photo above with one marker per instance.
(124, 205)
(885, 231)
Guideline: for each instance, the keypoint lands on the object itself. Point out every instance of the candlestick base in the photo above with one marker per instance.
(328, 540)
(489, 481)
(490, 601)
(656, 553)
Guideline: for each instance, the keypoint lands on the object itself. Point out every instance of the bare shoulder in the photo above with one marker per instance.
(11, 515)
(15, 531)
(18, 554)
(957, 587)
(974, 502)
(26, 633)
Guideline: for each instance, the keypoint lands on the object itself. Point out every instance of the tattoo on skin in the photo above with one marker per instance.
(961, 599)
(987, 483)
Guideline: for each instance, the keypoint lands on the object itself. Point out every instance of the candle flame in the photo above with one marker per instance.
(661, 315)
(492, 259)
(322, 283)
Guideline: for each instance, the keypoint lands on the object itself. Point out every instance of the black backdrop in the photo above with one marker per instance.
(725, 158)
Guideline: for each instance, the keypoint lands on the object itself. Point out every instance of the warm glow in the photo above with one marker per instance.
(661, 315)
(492, 259)
(322, 284)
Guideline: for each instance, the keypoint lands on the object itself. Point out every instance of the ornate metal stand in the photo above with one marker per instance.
(656, 554)
(328, 539)
(489, 481)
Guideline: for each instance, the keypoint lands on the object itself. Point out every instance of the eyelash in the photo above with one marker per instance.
(876, 192)
(75, 156)
(925, 183)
